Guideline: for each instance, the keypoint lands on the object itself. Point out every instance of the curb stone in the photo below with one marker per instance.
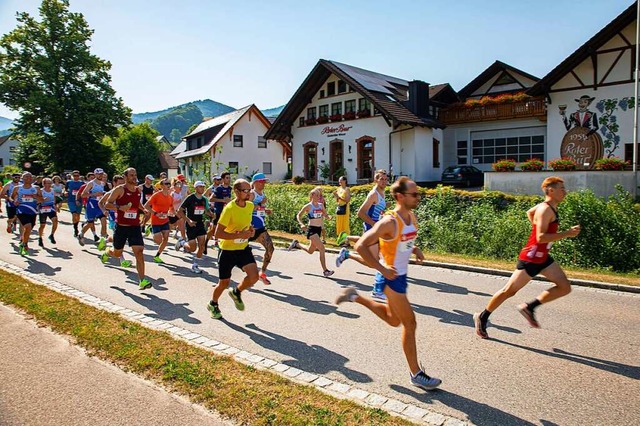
(341, 390)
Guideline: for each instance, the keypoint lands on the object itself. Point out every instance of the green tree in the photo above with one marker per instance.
(136, 147)
(181, 118)
(175, 135)
(62, 91)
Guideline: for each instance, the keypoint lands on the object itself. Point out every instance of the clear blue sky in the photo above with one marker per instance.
(240, 52)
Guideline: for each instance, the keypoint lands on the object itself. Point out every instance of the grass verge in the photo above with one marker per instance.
(243, 393)
(582, 274)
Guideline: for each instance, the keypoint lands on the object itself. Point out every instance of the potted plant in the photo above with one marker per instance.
(504, 165)
(298, 180)
(322, 119)
(349, 115)
(611, 163)
(325, 171)
(364, 113)
(532, 165)
(310, 121)
(335, 117)
(564, 164)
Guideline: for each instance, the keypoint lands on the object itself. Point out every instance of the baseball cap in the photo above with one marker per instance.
(150, 177)
(217, 177)
(259, 177)
(198, 183)
(181, 177)
(98, 170)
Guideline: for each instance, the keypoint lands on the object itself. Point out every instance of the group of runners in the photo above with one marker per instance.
(233, 215)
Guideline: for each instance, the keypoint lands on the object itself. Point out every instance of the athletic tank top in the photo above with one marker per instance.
(129, 217)
(146, 193)
(96, 188)
(377, 209)
(397, 251)
(48, 201)
(10, 193)
(27, 199)
(57, 189)
(73, 187)
(177, 202)
(259, 211)
(535, 252)
(315, 212)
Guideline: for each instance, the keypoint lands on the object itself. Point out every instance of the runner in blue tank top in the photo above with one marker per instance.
(7, 193)
(48, 209)
(26, 198)
(260, 212)
(93, 191)
(75, 205)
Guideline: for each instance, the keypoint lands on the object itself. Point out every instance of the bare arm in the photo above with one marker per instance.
(87, 188)
(114, 194)
(542, 220)
(362, 211)
(301, 213)
(384, 228)
(531, 212)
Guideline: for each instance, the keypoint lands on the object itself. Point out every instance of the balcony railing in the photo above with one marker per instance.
(534, 107)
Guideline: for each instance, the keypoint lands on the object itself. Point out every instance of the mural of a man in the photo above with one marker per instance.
(583, 117)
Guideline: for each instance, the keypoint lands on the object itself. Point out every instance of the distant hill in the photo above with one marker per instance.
(273, 112)
(208, 108)
(5, 123)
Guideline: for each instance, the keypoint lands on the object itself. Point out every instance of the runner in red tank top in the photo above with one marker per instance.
(534, 259)
(125, 200)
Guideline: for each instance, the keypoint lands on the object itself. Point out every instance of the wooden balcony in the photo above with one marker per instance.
(534, 107)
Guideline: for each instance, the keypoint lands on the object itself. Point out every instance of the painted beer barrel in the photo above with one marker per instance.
(583, 148)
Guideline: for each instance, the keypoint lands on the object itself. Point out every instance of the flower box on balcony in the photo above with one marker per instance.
(364, 113)
(323, 119)
(351, 115)
(335, 117)
(310, 121)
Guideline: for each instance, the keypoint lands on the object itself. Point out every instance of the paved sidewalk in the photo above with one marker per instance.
(45, 380)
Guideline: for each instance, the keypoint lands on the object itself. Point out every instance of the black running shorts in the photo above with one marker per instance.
(533, 269)
(124, 234)
(231, 258)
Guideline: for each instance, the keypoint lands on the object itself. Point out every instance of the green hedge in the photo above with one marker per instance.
(493, 224)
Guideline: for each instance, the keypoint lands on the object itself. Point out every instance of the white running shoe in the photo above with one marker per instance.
(342, 256)
(196, 269)
(347, 295)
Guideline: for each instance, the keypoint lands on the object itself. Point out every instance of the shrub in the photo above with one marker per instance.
(532, 165)
(612, 163)
(298, 180)
(564, 164)
(504, 165)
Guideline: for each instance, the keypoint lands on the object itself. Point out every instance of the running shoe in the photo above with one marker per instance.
(196, 269)
(52, 239)
(264, 279)
(529, 315)
(480, 330)
(104, 257)
(75, 233)
(40, 243)
(126, 263)
(214, 310)
(294, 244)
(348, 294)
(423, 381)
(147, 231)
(81, 240)
(95, 238)
(102, 244)
(379, 296)
(9, 229)
(24, 251)
(144, 284)
(327, 273)
(237, 299)
(178, 244)
(342, 238)
(158, 260)
(342, 256)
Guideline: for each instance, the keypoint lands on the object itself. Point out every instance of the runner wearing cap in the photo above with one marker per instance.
(7, 193)
(158, 206)
(125, 199)
(147, 191)
(193, 209)
(26, 198)
(234, 230)
(93, 191)
(260, 212)
(48, 209)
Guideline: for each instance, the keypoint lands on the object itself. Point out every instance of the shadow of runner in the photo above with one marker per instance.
(37, 267)
(58, 254)
(631, 371)
(312, 358)
(446, 287)
(161, 308)
(477, 412)
(320, 307)
(456, 317)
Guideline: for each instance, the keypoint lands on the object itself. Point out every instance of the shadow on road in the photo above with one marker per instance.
(477, 413)
(37, 267)
(312, 358)
(58, 254)
(446, 288)
(456, 317)
(358, 285)
(320, 307)
(631, 371)
(161, 308)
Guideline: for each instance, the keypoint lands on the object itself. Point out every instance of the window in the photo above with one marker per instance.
(336, 108)
(436, 154)
(521, 148)
(301, 122)
(237, 141)
(311, 113)
(321, 94)
(350, 106)
(331, 88)
(628, 152)
(364, 104)
(323, 111)
(462, 152)
(199, 143)
(233, 167)
(12, 149)
(1, 162)
(342, 86)
(262, 142)
(266, 168)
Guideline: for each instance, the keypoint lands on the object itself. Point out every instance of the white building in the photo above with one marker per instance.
(347, 120)
(233, 142)
(8, 147)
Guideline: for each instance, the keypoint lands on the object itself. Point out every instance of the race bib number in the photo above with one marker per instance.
(317, 215)
(74, 192)
(131, 214)
(407, 242)
(161, 215)
(45, 209)
(240, 240)
(198, 210)
(261, 212)
(27, 199)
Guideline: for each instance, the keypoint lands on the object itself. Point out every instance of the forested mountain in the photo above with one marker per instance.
(208, 108)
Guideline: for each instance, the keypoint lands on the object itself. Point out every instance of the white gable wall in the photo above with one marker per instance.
(8, 152)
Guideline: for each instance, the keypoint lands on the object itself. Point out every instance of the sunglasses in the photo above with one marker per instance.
(413, 194)
(246, 191)
(166, 183)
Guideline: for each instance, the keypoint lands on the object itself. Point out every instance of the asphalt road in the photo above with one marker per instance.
(581, 368)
